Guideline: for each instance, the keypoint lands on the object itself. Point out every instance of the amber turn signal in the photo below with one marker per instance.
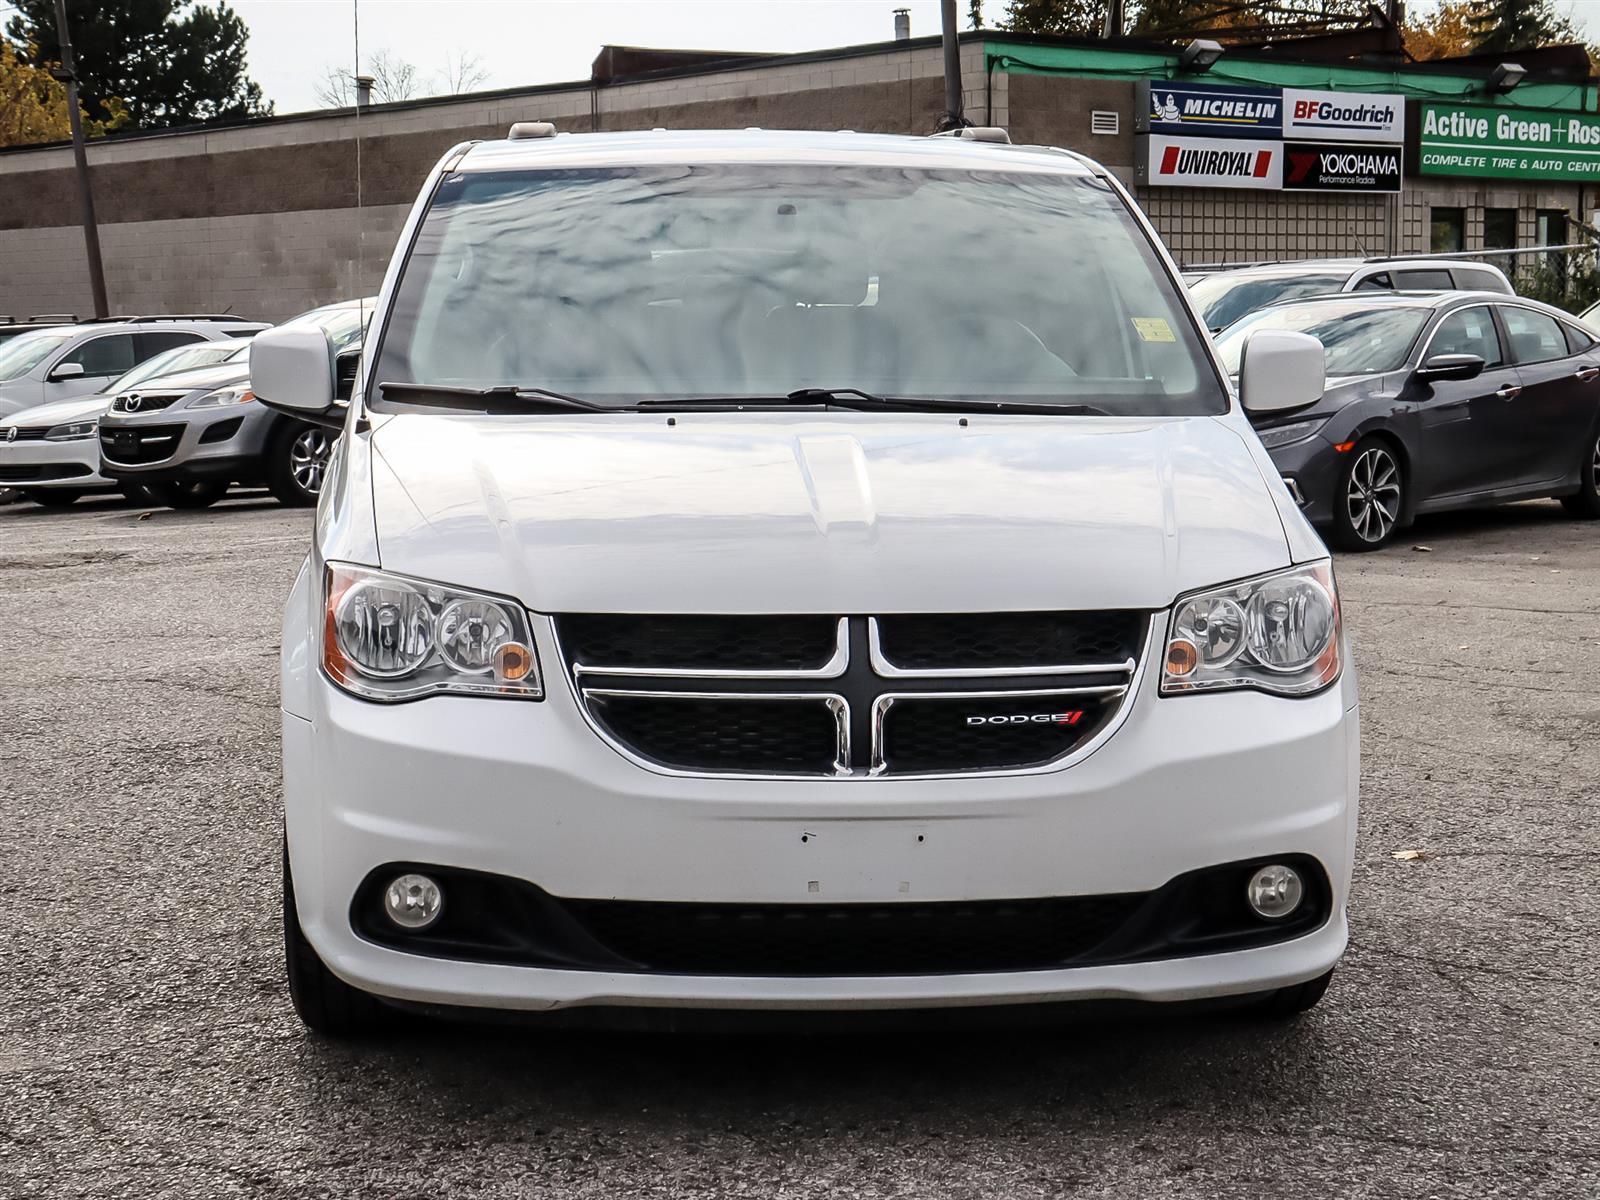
(1182, 657)
(512, 662)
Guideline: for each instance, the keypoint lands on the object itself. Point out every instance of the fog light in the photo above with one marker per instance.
(1275, 891)
(413, 901)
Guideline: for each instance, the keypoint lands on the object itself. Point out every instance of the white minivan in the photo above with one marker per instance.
(802, 571)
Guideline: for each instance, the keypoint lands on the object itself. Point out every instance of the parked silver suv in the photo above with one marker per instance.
(188, 437)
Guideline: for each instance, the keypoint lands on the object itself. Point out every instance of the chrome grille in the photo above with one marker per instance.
(852, 697)
(24, 434)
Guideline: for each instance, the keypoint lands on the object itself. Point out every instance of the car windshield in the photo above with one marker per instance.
(1358, 340)
(1223, 299)
(22, 354)
(667, 282)
(170, 362)
(343, 324)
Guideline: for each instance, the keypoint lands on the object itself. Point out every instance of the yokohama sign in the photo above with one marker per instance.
(1208, 162)
(1340, 167)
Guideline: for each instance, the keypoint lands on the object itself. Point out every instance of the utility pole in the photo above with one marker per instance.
(1116, 19)
(67, 73)
(953, 117)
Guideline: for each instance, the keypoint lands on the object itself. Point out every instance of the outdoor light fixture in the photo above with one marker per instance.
(1506, 76)
(1201, 55)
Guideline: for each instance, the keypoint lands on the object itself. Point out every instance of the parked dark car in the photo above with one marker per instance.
(1433, 401)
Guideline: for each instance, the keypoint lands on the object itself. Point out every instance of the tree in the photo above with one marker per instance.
(1443, 33)
(1073, 18)
(167, 63)
(975, 13)
(463, 72)
(1501, 25)
(393, 80)
(33, 106)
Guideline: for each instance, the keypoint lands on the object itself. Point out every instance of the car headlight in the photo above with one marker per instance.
(388, 637)
(223, 397)
(1276, 633)
(77, 431)
(1295, 431)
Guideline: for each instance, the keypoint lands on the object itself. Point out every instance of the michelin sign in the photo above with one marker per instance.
(1222, 135)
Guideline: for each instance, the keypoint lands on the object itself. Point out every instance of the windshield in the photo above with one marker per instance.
(22, 354)
(170, 362)
(342, 324)
(1223, 299)
(669, 282)
(1358, 341)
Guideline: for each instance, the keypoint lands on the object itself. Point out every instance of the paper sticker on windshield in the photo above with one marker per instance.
(1153, 329)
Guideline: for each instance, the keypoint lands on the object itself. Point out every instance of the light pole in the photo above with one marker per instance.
(67, 74)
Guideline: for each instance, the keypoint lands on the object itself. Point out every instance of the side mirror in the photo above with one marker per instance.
(291, 370)
(1450, 366)
(1280, 370)
(67, 371)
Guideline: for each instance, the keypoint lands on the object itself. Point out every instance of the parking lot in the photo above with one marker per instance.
(147, 1047)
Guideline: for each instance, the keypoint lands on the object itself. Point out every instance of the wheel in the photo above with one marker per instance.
(200, 494)
(135, 493)
(1369, 497)
(1585, 502)
(297, 462)
(325, 1003)
(53, 497)
(1292, 1001)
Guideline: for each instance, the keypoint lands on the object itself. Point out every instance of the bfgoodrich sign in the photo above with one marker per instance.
(1508, 143)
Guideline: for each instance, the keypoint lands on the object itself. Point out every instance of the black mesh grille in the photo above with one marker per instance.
(147, 401)
(140, 444)
(762, 736)
(43, 471)
(29, 435)
(852, 939)
(947, 735)
(700, 643)
(975, 640)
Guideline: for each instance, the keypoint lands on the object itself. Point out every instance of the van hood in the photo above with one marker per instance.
(852, 513)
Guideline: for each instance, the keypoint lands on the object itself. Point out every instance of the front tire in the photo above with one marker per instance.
(200, 494)
(1585, 503)
(325, 1003)
(1368, 497)
(297, 463)
(53, 497)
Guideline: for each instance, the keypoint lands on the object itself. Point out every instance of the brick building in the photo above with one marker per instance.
(273, 216)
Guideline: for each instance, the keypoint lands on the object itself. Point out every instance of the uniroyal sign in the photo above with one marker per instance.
(1208, 162)
(1343, 117)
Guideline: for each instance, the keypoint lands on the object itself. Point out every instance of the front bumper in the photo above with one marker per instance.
(34, 464)
(1311, 470)
(528, 790)
(211, 443)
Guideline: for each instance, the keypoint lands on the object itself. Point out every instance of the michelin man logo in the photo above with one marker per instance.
(1165, 110)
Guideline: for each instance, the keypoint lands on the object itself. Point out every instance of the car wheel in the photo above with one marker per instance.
(325, 1003)
(200, 494)
(298, 463)
(1585, 502)
(53, 497)
(135, 493)
(1292, 1001)
(1369, 497)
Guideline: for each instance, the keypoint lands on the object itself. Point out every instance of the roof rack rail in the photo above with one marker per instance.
(44, 317)
(976, 133)
(126, 319)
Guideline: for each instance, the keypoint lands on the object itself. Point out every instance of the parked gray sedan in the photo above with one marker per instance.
(187, 438)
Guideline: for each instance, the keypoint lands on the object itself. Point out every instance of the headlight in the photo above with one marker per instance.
(77, 431)
(387, 637)
(1297, 431)
(1277, 633)
(223, 397)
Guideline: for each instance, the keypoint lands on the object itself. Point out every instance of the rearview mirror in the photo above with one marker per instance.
(1450, 366)
(1280, 370)
(292, 370)
(67, 371)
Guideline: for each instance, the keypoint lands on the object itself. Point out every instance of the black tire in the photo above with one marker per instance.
(199, 494)
(1369, 496)
(1585, 503)
(1292, 1001)
(136, 493)
(325, 1003)
(53, 497)
(297, 463)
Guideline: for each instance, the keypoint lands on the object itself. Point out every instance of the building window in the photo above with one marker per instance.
(1499, 229)
(1447, 230)
(1552, 227)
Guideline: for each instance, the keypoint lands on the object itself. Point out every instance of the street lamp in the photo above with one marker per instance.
(67, 74)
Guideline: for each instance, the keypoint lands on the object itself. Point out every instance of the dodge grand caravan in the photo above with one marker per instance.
(802, 571)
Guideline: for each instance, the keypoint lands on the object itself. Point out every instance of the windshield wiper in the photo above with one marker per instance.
(504, 398)
(859, 401)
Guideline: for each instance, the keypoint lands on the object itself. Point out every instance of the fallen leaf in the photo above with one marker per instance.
(1467, 647)
(1423, 549)
(145, 516)
(1410, 855)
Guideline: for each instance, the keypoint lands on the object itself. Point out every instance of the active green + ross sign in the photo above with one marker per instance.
(1507, 143)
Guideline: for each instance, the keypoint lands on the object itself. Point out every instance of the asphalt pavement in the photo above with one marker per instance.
(147, 1047)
